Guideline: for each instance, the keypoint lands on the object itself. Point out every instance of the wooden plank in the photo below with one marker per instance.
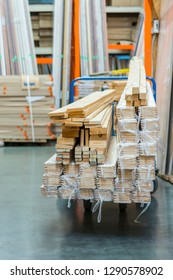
(86, 137)
(82, 137)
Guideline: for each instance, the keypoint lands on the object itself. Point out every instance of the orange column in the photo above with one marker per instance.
(76, 33)
(148, 36)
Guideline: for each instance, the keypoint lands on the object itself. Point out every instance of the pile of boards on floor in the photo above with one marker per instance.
(25, 102)
(92, 164)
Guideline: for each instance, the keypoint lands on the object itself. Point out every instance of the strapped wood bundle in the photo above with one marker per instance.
(127, 162)
(25, 102)
(124, 186)
(86, 182)
(67, 192)
(136, 88)
(141, 197)
(103, 194)
(138, 134)
(105, 183)
(121, 197)
(51, 179)
(86, 194)
(144, 185)
(128, 136)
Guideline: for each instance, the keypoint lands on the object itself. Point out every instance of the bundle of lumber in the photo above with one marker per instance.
(136, 88)
(25, 102)
(51, 177)
(86, 129)
(138, 134)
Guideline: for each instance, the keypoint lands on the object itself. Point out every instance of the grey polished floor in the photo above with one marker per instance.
(33, 227)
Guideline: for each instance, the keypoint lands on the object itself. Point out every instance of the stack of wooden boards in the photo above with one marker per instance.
(86, 128)
(92, 164)
(25, 102)
(138, 136)
(136, 91)
(122, 28)
(81, 181)
(42, 26)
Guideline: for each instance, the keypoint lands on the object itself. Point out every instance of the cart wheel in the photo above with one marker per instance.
(155, 182)
(122, 207)
(87, 205)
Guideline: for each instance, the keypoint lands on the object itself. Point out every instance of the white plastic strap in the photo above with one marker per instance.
(30, 109)
(70, 198)
(99, 205)
(143, 211)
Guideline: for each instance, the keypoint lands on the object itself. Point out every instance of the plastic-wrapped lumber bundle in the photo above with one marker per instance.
(138, 134)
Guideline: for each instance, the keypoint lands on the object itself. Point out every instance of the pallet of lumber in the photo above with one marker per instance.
(25, 102)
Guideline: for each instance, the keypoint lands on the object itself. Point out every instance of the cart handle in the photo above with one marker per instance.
(102, 78)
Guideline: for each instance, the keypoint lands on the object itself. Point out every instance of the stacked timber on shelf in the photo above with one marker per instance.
(25, 102)
(123, 29)
(138, 133)
(42, 26)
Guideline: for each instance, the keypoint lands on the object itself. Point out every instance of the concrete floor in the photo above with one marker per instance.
(33, 227)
